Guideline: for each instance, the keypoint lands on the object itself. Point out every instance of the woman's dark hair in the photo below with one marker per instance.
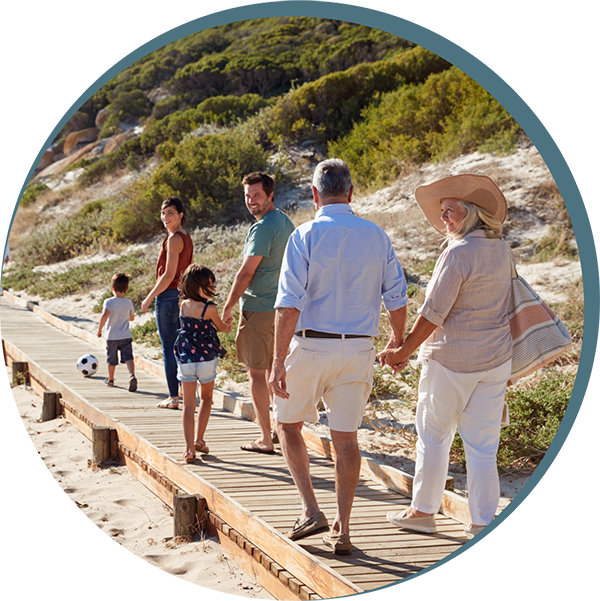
(194, 278)
(176, 203)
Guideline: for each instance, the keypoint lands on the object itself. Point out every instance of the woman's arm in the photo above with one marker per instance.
(174, 247)
(213, 315)
(398, 358)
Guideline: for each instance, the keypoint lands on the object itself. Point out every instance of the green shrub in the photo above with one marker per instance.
(146, 333)
(204, 172)
(446, 116)
(32, 192)
(225, 110)
(536, 412)
(327, 108)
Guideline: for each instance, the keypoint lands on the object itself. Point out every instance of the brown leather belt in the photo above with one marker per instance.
(315, 334)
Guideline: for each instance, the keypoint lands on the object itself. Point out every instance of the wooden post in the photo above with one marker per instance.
(49, 406)
(185, 515)
(20, 373)
(202, 515)
(100, 444)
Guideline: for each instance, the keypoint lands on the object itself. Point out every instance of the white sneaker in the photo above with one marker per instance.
(471, 531)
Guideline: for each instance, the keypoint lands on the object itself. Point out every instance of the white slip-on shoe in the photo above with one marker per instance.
(426, 524)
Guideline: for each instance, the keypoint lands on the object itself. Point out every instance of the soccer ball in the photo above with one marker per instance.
(87, 365)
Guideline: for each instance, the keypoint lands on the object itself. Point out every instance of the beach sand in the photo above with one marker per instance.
(127, 513)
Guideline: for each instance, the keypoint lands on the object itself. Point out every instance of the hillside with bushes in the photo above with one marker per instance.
(192, 117)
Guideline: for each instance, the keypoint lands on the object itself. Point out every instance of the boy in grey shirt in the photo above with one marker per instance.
(117, 313)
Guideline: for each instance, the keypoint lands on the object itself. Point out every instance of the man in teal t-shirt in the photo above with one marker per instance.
(255, 286)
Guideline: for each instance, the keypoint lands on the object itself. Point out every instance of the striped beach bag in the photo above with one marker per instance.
(539, 336)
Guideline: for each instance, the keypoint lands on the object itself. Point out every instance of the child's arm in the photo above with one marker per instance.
(213, 315)
(103, 320)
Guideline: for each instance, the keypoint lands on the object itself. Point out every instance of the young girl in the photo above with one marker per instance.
(197, 350)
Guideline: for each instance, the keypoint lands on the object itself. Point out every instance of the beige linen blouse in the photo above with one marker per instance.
(467, 298)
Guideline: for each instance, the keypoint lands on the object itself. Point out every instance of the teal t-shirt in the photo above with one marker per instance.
(266, 238)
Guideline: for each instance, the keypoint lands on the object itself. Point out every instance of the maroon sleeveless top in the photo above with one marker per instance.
(185, 259)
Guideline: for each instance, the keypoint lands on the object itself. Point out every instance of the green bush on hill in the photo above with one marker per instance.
(32, 192)
(218, 110)
(448, 115)
(327, 108)
(205, 172)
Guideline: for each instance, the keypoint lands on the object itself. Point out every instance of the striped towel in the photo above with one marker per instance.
(539, 336)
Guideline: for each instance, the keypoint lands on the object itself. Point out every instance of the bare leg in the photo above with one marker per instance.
(130, 367)
(111, 372)
(261, 399)
(189, 409)
(347, 472)
(295, 454)
(206, 395)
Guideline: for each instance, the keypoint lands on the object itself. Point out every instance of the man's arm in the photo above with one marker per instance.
(286, 319)
(242, 280)
(397, 321)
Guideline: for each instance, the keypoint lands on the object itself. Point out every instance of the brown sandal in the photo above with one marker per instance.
(200, 446)
(189, 457)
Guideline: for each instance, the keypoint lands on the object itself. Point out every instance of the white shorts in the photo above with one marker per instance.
(202, 371)
(338, 371)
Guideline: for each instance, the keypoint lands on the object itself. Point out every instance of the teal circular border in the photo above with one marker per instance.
(511, 100)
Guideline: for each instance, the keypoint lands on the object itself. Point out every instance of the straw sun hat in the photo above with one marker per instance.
(477, 189)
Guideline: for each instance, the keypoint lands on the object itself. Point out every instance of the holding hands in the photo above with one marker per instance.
(396, 358)
(396, 354)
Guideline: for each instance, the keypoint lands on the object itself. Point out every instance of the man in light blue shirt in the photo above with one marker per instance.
(335, 272)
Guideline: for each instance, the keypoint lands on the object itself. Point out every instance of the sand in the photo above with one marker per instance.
(126, 511)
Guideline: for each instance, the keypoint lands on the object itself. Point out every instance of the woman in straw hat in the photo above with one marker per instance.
(466, 348)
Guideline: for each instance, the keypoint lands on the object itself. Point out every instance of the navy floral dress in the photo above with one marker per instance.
(197, 340)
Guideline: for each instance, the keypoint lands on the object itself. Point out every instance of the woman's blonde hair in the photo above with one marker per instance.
(476, 218)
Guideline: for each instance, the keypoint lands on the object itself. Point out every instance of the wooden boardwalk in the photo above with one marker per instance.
(251, 500)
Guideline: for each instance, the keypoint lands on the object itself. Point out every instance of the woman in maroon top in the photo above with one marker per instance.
(175, 256)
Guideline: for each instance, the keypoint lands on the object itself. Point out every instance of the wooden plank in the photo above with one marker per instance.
(275, 581)
(152, 484)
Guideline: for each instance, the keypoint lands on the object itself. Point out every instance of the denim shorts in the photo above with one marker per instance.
(113, 347)
(203, 371)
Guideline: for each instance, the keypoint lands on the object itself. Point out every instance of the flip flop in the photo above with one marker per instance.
(254, 448)
(200, 446)
(110, 383)
(168, 404)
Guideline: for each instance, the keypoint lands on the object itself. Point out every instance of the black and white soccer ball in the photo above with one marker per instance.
(87, 365)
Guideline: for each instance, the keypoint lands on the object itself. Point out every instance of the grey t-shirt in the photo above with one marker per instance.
(117, 326)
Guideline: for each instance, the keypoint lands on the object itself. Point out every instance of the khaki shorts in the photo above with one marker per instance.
(255, 339)
(338, 371)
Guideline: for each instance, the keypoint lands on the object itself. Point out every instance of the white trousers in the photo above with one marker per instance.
(472, 402)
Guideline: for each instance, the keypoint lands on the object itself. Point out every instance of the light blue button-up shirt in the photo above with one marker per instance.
(336, 270)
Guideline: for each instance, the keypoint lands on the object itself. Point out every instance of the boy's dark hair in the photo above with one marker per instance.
(194, 278)
(260, 177)
(177, 203)
(120, 282)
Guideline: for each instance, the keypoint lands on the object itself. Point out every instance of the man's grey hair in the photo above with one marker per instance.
(332, 178)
